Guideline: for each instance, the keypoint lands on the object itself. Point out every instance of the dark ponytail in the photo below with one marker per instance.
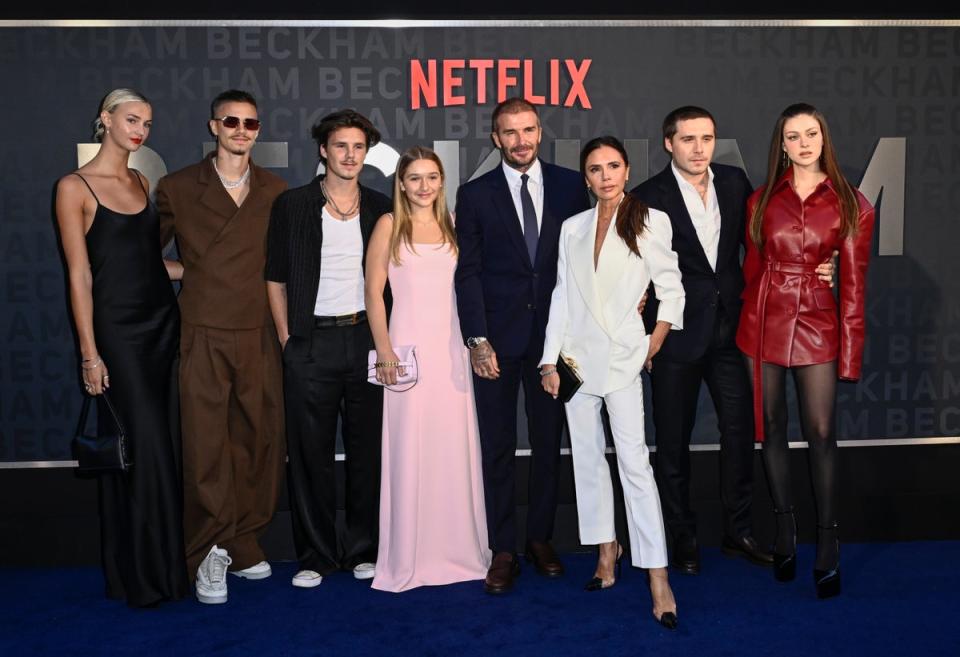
(632, 213)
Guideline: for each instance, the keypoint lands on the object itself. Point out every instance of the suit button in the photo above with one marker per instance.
(536, 275)
(798, 228)
(531, 306)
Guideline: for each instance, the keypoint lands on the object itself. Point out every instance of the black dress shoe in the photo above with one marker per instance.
(746, 547)
(503, 570)
(668, 619)
(543, 557)
(686, 555)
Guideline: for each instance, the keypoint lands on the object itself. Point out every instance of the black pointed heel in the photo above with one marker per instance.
(785, 565)
(827, 582)
(596, 583)
(668, 619)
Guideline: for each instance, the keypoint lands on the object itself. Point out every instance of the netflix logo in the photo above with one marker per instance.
(444, 83)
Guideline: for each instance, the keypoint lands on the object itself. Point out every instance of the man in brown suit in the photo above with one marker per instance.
(230, 377)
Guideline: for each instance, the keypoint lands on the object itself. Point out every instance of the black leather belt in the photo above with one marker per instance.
(340, 320)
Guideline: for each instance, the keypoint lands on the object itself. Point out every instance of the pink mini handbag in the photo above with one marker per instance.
(407, 356)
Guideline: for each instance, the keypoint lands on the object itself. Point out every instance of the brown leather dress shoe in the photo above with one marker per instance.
(543, 558)
(503, 570)
(747, 548)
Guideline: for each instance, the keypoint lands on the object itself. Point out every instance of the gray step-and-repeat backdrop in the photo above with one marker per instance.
(889, 91)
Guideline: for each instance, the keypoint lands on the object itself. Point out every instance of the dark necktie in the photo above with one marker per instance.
(530, 230)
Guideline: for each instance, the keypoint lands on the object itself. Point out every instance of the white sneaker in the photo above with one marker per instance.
(365, 570)
(256, 571)
(212, 577)
(307, 579)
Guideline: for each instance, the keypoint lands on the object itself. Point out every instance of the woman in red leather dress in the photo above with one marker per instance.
(791, 320)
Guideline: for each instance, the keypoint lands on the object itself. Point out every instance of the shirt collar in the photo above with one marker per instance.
(513, 176)
(787, 176)
(683, 181)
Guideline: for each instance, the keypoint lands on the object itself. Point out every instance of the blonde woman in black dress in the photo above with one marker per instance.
(127, 324)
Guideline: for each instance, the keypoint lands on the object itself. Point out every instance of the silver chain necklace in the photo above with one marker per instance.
(232, 184)
(343, 215)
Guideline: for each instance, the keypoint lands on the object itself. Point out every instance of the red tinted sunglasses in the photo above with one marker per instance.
(234, 122)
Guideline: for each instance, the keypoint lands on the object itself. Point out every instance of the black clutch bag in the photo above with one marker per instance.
(100, 453)
(570, 380)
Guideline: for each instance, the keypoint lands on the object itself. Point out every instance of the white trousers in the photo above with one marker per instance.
(595, 508)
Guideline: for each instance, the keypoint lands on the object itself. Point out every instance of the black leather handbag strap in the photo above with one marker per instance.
(85, 410)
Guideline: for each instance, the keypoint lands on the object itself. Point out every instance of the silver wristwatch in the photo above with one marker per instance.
(473, 343)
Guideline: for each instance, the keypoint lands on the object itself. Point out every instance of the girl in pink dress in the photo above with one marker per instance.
(432, 524)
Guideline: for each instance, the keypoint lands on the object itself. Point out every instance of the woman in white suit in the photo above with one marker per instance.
(608, 257)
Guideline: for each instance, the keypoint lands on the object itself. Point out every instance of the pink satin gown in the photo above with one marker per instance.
(433, 526)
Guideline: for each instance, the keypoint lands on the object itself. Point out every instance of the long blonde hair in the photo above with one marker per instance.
(778, 163)
(402, 213)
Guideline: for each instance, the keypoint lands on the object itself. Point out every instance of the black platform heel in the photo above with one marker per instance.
(785, 565)
(596, 583)
(827, 582)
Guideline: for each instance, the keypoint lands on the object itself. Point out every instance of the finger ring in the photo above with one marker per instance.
(106, 378)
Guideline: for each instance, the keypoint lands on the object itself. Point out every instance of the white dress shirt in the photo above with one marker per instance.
(534, 185)
(705, 216)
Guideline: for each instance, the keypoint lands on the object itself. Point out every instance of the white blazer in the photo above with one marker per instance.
(593, 313)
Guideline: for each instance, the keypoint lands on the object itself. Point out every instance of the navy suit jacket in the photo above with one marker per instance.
(706, 290)
(501, 295)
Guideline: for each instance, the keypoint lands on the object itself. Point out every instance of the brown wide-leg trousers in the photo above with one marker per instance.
(231, 404)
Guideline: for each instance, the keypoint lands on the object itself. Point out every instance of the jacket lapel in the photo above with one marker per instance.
(549, 223)
(729, 223)
(214, 197)
(581, 257)
(680, 217)
(611, 269)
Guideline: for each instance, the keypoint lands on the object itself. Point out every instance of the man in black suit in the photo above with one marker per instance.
(508, 229)
(707, 207)
(316, 250)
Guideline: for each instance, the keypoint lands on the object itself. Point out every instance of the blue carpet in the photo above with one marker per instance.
(899, 599)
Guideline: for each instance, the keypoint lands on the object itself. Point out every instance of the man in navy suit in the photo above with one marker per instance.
(508, 228)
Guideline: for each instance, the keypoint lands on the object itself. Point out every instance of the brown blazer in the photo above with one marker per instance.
(222, 247)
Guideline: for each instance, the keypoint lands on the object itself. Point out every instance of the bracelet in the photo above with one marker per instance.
(387, 363)
(548, 372)
(87, 360)
(91, 367)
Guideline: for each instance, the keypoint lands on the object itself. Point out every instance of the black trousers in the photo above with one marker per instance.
(325, 379)
(676, 388)
(497, 403)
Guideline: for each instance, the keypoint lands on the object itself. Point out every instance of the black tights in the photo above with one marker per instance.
(816, 389)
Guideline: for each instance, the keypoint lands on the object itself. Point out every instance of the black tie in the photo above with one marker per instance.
(530, 231)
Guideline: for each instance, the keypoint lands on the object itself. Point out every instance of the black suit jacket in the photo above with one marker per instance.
(501, 295)
(293, 246)
(707, 291)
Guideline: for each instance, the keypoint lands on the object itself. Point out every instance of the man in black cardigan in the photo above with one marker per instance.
(316, 252)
